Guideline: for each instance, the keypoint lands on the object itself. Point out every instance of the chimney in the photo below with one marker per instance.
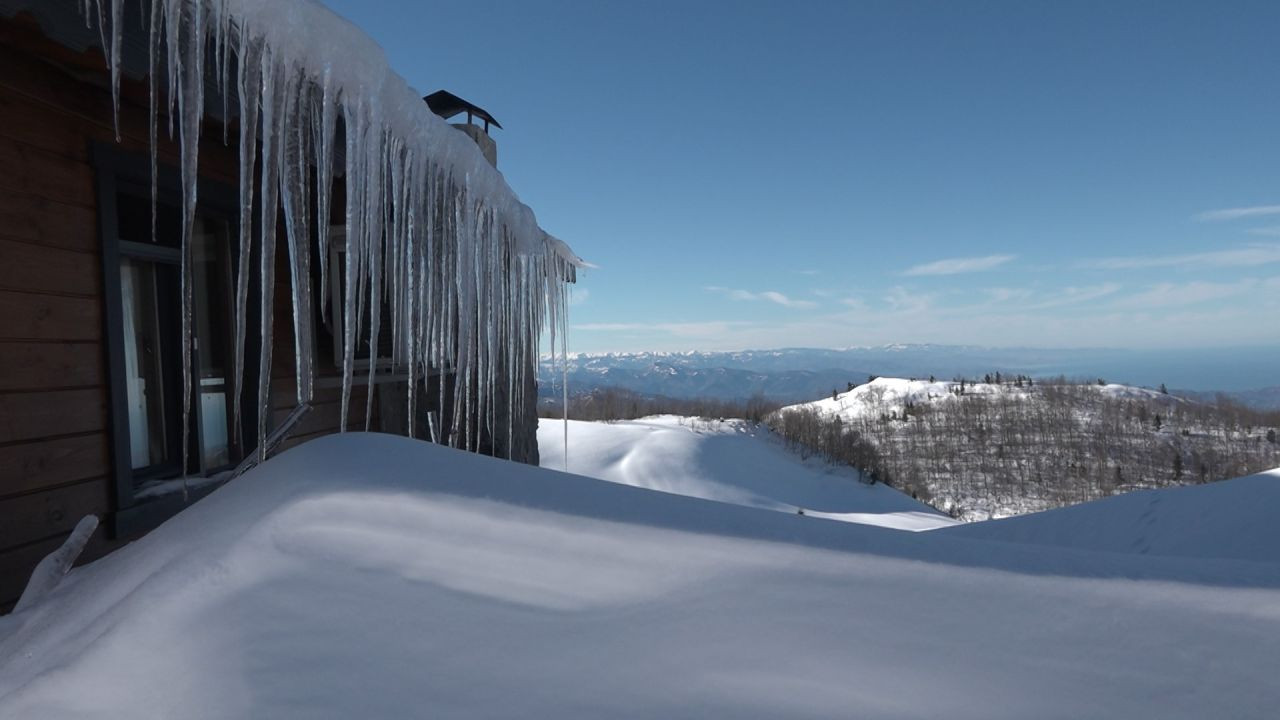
(447, 105)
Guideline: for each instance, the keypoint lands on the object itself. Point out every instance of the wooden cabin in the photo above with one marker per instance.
(90, 384)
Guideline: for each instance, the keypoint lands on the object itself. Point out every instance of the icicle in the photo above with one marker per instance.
(375, 202)
(324, 179)
(249, 90)
(273, 86)
(117, 39)
(153, 67)
(564, 369)
(297, 224)
(191, 111)
(355, 129)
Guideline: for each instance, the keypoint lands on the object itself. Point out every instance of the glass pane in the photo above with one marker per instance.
(211, 284)
(133, 215)
(144, 385)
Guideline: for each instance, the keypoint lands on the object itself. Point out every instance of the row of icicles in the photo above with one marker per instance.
(436, 244)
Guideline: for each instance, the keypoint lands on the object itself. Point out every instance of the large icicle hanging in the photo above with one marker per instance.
(440, 256)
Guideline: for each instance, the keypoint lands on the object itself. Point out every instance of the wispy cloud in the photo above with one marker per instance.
(902, 300)
(772, 296)
(1238, 213)
(683, 330)
(955, 266)
(1004, 294)
(578, 297)
(1075, 296)
(1259, 254)
(1272, 231)
(1165, 295)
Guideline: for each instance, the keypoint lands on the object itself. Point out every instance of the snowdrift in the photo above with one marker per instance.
(1231, 519)
(729, 461)
(376, 576)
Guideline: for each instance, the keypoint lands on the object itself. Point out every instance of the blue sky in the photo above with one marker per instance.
(754, 175)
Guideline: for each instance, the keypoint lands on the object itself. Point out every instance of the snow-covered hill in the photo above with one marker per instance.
(1008, 446)
(891, 396)
(375, 576)
(730, 461)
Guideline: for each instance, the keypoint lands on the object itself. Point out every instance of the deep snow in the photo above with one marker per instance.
(375, 576)
(730, 461)
(1235, 519)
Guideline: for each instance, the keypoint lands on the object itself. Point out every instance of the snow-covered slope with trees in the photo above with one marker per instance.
(1006, 446)
(730, 461)
(374, 576)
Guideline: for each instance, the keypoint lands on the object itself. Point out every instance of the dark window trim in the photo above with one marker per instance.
(116, 170)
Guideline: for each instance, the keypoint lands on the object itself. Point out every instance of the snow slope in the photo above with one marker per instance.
(1234, 519)
(729, 461)
(890, 395)
(375, 576)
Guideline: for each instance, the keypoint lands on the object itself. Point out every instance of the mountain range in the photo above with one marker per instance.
(1247, 375)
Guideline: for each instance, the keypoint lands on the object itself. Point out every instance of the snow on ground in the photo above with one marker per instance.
(1234, 519)
(374, 576)
(729, 461)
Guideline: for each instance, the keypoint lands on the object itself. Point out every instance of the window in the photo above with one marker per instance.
(363, 352)
(142, 276)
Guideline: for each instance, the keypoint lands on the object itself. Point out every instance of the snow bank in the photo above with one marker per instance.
(375, 576)
(729, 461)
(1233, 519)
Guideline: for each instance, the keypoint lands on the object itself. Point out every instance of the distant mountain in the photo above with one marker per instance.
(797, 374)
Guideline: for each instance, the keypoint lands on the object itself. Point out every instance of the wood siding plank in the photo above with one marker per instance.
(31, 218)
(49, 317)
(32, 170)
(39, 365)
(25, 467)
(37, 415)
(39, 268)
(30, 122)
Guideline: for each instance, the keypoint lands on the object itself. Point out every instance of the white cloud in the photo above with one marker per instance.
(711, 328)
(1177, 294)
(1075, 295)
(1272, 231)
(902, 300)
(1004, 294)
(954, 266)
(1259, 254)
(772, 296)
(578, 296)
(1237, 213)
